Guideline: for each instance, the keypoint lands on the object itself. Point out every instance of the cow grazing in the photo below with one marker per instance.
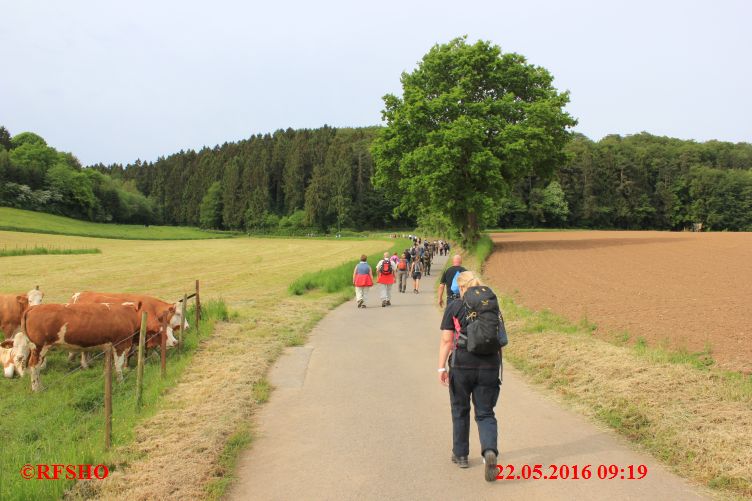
(78, 327)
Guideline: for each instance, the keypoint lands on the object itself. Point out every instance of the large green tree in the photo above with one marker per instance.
(471, 120)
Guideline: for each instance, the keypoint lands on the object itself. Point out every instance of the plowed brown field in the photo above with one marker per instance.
(684, 290)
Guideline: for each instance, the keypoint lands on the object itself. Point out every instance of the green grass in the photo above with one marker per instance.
(483, 249)
(43, 251)
(40, 222)
(237, 443)
(64, 423)
(338, 278)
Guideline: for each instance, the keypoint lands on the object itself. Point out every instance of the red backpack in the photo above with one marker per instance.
(402, 264)
(386, 267)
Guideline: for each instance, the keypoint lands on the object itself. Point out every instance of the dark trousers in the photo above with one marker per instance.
(482, 386)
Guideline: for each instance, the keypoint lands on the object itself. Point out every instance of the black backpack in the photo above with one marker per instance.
(484, 322)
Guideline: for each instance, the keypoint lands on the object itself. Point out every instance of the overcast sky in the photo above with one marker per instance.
(117, 81)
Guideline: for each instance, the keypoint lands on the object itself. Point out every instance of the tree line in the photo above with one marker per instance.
(321, 179)
(638, 182)
(288, 181)
(35, 176)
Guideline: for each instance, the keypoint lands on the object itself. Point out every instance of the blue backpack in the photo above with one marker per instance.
(454, 287)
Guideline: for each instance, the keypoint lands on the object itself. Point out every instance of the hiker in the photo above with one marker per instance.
(403, 265)
(427, 262)
(362, 281)
(385, 271)
(449, 281)
(416, 269)
(473, 332)
(394, 259)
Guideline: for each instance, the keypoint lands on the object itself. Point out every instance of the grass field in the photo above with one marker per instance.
(40, 222)
(199, 417)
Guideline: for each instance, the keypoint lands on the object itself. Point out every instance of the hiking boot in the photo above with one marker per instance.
(388, 303)
(462, 462)
(490, 471)
(360, 303)
(383, 304)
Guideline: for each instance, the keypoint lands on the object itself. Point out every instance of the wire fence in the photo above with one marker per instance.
(110, 350)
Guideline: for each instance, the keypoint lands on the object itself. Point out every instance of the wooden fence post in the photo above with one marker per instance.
(108, 398)
(140, 366)
(163, 348)
(198, 306)
(182, 322)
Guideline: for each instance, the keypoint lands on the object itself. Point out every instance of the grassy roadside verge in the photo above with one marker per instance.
(693, 417)
(64, 423)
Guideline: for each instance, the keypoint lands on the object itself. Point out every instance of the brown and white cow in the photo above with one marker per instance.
(78, 327)
(6, 358)
(13, 355)
(12, 308)
(154, 307)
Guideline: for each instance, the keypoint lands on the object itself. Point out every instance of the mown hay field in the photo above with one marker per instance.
(679, 291)
(204, 406)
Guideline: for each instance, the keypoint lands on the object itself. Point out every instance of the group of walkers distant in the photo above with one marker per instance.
(472, 337)
(413, 263)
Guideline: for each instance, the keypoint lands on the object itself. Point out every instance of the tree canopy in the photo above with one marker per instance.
(471, 121)
(35, 176)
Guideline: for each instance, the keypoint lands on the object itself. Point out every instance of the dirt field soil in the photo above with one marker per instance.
(680, 290)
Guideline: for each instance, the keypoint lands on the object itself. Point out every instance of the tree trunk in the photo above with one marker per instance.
(470, 232)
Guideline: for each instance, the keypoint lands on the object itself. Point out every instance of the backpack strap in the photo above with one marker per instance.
(457, 336)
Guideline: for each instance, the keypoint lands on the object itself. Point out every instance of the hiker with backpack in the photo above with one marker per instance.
(362, 281)
(449, 281)
(427, 257)
(385, 271)
(403, 265)
(394, 259)
(416, 270)
(473, 335)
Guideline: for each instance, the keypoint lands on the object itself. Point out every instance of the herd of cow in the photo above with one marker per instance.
(92, 321)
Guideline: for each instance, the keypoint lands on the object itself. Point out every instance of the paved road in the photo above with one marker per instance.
(358, 413)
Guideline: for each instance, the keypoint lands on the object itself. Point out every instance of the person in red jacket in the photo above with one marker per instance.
(362, 280)
(385, 270)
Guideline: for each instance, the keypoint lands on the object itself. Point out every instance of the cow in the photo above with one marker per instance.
(154, 307)
(12, 308)
(79, 327)
(6, 358)
(13, 355)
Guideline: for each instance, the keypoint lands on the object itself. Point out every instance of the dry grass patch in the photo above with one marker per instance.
(699, 421)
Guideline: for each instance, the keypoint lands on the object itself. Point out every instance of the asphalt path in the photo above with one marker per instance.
(358, 413)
